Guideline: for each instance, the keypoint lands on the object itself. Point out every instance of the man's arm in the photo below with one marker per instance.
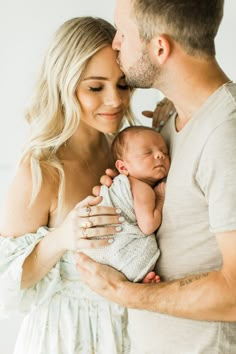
(209, 296)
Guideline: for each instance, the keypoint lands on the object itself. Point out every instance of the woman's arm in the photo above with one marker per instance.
(18, 217)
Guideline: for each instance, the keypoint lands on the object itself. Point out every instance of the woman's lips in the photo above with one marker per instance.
(109, 115)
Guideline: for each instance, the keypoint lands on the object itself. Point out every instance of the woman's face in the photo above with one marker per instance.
(103, 93)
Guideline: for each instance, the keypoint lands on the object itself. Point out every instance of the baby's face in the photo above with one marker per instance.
(146, 156)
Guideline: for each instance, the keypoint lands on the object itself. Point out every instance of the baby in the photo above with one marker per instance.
(141, 157)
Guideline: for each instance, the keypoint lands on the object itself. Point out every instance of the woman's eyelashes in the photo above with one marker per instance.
(95, 89)
(123, 87)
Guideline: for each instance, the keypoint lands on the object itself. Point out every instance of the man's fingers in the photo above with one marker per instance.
(148, 114)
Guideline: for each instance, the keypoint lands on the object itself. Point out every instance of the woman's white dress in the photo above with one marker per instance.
(63, 316)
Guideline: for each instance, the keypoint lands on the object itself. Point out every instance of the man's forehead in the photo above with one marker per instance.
(122, 13)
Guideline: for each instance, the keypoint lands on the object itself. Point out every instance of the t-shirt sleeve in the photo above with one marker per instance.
(216, 177)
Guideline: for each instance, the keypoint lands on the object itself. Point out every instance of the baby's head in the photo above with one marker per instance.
(141, 152)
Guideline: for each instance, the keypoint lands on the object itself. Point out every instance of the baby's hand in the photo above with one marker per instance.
(105, 180)
(151, 277)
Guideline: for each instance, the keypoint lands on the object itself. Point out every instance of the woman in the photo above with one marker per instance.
(81, 96)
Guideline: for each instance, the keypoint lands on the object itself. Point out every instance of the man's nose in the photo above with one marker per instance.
(116, 44)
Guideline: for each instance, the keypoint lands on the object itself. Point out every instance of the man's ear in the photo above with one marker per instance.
(159, 49)
(120, 165)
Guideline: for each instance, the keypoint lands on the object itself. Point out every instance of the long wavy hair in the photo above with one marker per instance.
(54, 113)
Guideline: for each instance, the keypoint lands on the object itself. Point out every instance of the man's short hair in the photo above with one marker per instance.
(191, 23)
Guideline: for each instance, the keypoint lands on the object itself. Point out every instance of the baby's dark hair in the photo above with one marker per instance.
(121, 140)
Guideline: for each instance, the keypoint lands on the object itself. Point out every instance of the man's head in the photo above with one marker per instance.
(144, 23)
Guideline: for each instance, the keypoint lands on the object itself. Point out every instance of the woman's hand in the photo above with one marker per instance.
(86, 222)
(164, 110)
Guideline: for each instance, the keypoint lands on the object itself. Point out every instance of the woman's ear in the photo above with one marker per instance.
(120, 165)
(159, 49)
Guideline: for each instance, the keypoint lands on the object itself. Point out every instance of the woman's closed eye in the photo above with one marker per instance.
(123, 87)
(95, 88)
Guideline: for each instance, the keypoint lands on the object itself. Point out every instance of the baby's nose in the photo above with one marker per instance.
(159, 155)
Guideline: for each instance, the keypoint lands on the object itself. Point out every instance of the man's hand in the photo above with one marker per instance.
(163, 111)
(103, 279)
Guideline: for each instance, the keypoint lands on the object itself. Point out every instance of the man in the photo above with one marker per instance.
(169, 45)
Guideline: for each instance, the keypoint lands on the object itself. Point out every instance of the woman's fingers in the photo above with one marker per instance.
(102, 210)
(99, 232)
(90, 200)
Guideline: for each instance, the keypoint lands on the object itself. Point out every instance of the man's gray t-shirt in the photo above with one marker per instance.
(200, 201)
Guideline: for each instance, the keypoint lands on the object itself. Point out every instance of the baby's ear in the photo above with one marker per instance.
(120, 165)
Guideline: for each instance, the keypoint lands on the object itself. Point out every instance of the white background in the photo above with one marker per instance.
(26, 27)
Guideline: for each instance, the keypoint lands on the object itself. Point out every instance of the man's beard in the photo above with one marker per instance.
(143, 74)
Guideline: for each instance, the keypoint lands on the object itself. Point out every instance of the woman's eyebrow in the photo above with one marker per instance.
(95, 78)
(101, 78)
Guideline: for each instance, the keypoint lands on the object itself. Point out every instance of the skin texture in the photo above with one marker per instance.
(208, 296)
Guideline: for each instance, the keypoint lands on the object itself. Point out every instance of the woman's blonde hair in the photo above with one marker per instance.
(55, 112)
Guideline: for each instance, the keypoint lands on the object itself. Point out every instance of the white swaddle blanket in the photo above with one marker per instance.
(132, 252)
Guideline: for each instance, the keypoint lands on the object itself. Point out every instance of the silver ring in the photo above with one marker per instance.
(88, 210)
(84, 232)
(86, 224)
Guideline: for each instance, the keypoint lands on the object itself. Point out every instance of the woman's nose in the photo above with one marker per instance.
(113, 99)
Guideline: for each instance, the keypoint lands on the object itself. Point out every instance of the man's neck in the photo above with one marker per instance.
(189, 82)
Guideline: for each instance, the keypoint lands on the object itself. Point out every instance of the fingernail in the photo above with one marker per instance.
(121, 219)
(118, 211)
(162, 122)
(119, 228)
(111, 240)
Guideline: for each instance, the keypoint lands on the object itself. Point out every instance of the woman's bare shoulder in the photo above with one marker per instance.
(19, 215)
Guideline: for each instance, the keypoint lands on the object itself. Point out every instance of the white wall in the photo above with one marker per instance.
(25, 29)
